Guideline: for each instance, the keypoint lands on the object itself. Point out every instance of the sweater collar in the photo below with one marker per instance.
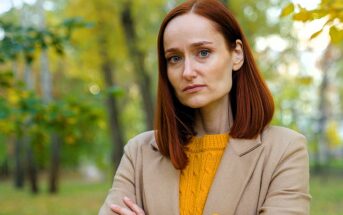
(239, 146)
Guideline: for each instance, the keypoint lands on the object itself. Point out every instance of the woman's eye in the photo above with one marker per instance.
(204, 53)
(174, 59)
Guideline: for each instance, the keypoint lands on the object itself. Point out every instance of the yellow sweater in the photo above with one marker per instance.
(204, 154)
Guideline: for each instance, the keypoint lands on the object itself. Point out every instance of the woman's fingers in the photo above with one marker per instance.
(121, 211)
(132, 209)
(135, 208)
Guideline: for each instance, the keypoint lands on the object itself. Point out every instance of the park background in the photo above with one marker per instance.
(78, 79)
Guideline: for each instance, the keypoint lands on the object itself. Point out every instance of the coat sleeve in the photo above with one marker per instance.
(123, 182)
(288, 192)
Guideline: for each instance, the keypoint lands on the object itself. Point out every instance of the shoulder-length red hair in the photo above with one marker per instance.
(251, 101)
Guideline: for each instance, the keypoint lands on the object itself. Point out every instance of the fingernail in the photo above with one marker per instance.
(126, 198)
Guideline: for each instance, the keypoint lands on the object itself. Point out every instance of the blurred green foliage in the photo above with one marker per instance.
(25, 40)
(78, 111)
(75, 120)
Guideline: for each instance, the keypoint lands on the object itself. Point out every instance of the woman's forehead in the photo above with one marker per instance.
(188, 29)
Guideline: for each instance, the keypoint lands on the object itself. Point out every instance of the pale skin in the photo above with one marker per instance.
(200, 67)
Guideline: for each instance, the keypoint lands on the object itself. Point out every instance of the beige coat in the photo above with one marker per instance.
(266, 175)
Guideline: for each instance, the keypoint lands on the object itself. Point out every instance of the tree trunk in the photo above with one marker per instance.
(15, 69)
(19, 163)
(55, 140)
(55, 163)
(138, 56)
(28, 77)
(46, 86)
(4, 169)
(45, 77)
(19, 170)
(30, 156)
(111, 104)
(44, 60)
(323, 156)
(31, 166)
(25, 138)
(322, 121)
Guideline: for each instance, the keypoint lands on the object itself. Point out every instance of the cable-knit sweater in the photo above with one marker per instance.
(204, 154)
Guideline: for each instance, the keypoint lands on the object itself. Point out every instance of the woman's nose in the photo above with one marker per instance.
(188, 70)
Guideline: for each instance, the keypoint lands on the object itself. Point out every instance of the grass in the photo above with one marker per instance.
(79, 197)
(327, 195)
(75, 197)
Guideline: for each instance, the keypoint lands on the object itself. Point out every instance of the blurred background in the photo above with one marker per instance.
(78, 79)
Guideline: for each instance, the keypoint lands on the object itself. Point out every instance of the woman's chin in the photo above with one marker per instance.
(194, 104)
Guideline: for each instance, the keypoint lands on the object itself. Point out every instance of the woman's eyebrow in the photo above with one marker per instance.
(201, 43)
(171, 50)
(196, 44)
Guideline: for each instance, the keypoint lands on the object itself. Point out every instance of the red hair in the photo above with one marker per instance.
(251, 101)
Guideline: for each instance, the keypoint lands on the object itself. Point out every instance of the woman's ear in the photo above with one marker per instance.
(237, 56)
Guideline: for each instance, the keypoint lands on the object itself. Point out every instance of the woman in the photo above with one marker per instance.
(212, 151)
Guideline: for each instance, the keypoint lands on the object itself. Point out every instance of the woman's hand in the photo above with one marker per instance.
(132, 209)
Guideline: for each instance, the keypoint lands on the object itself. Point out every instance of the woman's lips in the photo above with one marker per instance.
(193, 88)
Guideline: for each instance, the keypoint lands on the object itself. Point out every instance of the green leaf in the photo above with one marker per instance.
(287, 10)
(4, 109)
(115, 91)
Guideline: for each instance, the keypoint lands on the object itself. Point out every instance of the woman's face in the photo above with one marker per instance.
(199, 63)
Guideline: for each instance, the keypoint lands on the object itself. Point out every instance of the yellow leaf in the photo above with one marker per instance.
(287, 10)
(101, 124)
(303, 15)
(13, 97)
(319, 13)
(338, 4)
(316, 34)
(336, 35)
(6, 127)
(305, 80)
(71, 121)
(332, 134)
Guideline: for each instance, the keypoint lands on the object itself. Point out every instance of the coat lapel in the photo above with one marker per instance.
(236, 167)
(161, 184)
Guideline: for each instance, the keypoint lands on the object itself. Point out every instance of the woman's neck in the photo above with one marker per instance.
(215, 118)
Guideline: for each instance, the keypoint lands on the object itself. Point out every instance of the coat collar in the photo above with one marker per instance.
(153, 144)
(234, 171)
(161, 183)
(244, 146)
(232, 176)
(239, 146)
